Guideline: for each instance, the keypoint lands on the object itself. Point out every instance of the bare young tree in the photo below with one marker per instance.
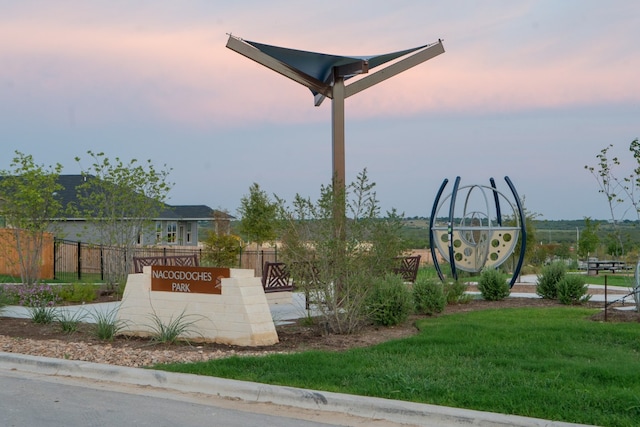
(339, 268)
(621, 193)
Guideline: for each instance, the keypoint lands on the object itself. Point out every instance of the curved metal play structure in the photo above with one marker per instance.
(476, 236)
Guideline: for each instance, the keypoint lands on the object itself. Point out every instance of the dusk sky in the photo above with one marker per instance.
(532, 90)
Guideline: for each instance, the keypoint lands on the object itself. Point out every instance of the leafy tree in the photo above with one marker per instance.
(339, 268)
(28, 204)
(562, 251)
(120, 201)
(258, 216)
(221, 249)
(589, 239)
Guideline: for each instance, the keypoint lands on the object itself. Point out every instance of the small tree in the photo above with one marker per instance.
(221, 249)
(341, 267)
(120, 200)
(589, 239)
(258, 216)
(29, 205)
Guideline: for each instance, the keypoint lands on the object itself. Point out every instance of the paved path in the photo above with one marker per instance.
(281, 313)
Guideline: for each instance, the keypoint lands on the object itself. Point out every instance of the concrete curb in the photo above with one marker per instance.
(374, 408)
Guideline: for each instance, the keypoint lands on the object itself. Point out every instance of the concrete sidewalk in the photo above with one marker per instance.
(281, 313)
(287, 313)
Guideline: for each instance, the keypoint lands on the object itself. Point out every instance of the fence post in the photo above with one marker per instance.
(79, 260)
(101, 263)
(55, 255)
(261, 260)
(240, 258)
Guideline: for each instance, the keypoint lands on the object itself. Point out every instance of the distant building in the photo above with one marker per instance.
(175, 225)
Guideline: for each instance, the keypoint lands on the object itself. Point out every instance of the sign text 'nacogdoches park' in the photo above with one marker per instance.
(186, 279)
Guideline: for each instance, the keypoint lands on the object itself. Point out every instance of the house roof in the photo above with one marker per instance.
(68, 195)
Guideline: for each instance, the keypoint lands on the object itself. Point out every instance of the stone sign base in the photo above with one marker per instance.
(239, 315)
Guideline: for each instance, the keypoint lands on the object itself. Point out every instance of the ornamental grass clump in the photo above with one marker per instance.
(69, 320)
(549, 278)
(171, 331)
(106, 325)
(429, 296)
(493, 285)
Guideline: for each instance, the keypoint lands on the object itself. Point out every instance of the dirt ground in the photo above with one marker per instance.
(26, 337)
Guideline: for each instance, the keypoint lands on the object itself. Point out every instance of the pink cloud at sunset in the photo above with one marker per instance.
(556, 75)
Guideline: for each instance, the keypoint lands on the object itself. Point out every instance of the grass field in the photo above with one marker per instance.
(551, 363)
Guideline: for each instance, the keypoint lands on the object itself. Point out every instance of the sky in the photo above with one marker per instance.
(532, 90)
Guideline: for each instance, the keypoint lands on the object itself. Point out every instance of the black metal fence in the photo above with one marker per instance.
(83, 261)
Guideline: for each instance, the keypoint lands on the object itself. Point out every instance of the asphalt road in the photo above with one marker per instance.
(34, 400)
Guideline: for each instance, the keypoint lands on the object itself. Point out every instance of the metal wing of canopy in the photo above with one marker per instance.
(318, 71)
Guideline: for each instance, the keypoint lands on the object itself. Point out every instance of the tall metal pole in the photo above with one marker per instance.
(337, 129)
(338, 154)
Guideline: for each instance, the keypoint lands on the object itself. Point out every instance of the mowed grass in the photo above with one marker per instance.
(550, 363)
(622, 280)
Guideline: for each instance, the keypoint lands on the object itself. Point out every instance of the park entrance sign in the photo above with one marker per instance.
(198, 280)
(220, 305)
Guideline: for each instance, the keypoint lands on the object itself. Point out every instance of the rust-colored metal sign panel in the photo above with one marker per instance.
(186, 279)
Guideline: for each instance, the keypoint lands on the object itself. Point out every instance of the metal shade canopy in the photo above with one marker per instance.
(325, 75)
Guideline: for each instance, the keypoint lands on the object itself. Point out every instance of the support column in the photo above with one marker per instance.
(337, 129)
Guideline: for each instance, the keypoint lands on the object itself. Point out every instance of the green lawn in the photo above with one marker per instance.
(623, 280)
(550, 363)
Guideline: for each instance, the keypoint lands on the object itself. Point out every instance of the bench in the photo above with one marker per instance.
(276, 278)
(173, 260)
(407, 267)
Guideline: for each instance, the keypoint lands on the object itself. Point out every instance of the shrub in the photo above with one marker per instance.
(549, 278)
(429, 296)
(455, 292)
(40, 299)
(390, 301)
(37, 295)
(572, 289)
(78, 292)
(4, 298)
(9, 295)
(493, 285)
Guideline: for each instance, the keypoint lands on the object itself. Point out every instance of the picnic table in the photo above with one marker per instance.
(594, 267)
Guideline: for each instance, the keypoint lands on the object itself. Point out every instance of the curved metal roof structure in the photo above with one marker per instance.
(325, 76)
(321, 66)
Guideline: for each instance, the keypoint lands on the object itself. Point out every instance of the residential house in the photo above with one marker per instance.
(175, 225)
